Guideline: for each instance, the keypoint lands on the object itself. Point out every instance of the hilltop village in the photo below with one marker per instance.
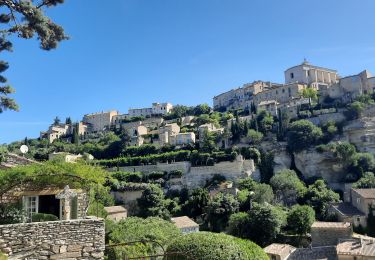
(277, 170)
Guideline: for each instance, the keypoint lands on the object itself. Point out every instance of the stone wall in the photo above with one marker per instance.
(73, 239)
(197, 176)
(325, 118)
(159, 167)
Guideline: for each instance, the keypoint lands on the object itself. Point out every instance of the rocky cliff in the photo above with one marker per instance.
(361, 133)
(322, 165)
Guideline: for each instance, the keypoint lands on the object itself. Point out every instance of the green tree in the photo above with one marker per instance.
(319, 197)
(152, 203)
(355, 110)
(254, 137)
(75, 137)
(302, 134)
(213, 246)
(300, 218)
(310, 93)
(287, 186)
(219, 210)
(25, 19)
(366, 182)
(68, 121)
(262, 224)
(202, 109)
(197, 202)
(3, 153)
(56, 121)
(137, 229)
(265, 121)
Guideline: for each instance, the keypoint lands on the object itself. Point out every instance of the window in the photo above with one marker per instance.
(358, 200)
(292, 75)
(31, 206)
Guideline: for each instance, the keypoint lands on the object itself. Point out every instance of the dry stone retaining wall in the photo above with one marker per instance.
(71, 239)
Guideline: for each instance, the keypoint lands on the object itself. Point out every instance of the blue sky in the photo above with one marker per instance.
(130, 53)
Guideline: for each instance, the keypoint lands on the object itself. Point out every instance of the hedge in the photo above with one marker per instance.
(214, 246)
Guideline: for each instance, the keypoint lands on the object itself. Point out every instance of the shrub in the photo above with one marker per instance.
(210, 246)
(302, 134)
(300, 219)
(136, 229)
(42, 217)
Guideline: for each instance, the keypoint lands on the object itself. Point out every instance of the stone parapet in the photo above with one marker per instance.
(72, 239)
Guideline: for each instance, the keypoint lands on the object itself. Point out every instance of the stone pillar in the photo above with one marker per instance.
(66, 195)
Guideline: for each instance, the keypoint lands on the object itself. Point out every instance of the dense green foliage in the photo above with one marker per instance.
(152, 203)
(366, 182)
(261, 224)
(318, 196)
(300, 218)
(302, 134)
(136, 229)
(219, 210)
(287, 186)
(213, 246)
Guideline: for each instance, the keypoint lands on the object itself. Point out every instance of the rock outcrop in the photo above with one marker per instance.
(321, 165)
(361, 133)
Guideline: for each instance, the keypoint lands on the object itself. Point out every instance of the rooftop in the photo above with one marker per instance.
(279, 249)
(347, 209)
(318, 224)
(356, 248)
(115, 209)
(321, 253)
(184, 222)
(366, 193)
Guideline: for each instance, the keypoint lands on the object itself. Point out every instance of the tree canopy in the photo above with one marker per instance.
(136, 229)
(302, 134)
(25, 19)
(212, 246)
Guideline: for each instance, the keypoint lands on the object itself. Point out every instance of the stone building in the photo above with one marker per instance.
(355, 249)
(279, 251)
(270, 106)
(311, 75)
(182, 139)
(55, 132)
(350, 87)
(63, 203)
(329, 233)
(210, 128)
(99, 121)
(356, 210)
(156, 109)
(116, 213)
(185, 224)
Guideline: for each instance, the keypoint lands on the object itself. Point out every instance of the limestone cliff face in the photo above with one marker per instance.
(281, 161)
(323, 165)
(361, 133)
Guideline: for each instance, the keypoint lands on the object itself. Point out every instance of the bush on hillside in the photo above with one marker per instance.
(210, 246)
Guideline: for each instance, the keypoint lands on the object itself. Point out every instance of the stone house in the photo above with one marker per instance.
(66, 157)
(357, 209)
(355, 249)
(279, 251)
(156, 109)
(270, 106)
(182, 139)
(116, 213)
(63, 203)
(99, 121)
(329, 233)
(211, 128)
(185, 224)
(311, 75)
